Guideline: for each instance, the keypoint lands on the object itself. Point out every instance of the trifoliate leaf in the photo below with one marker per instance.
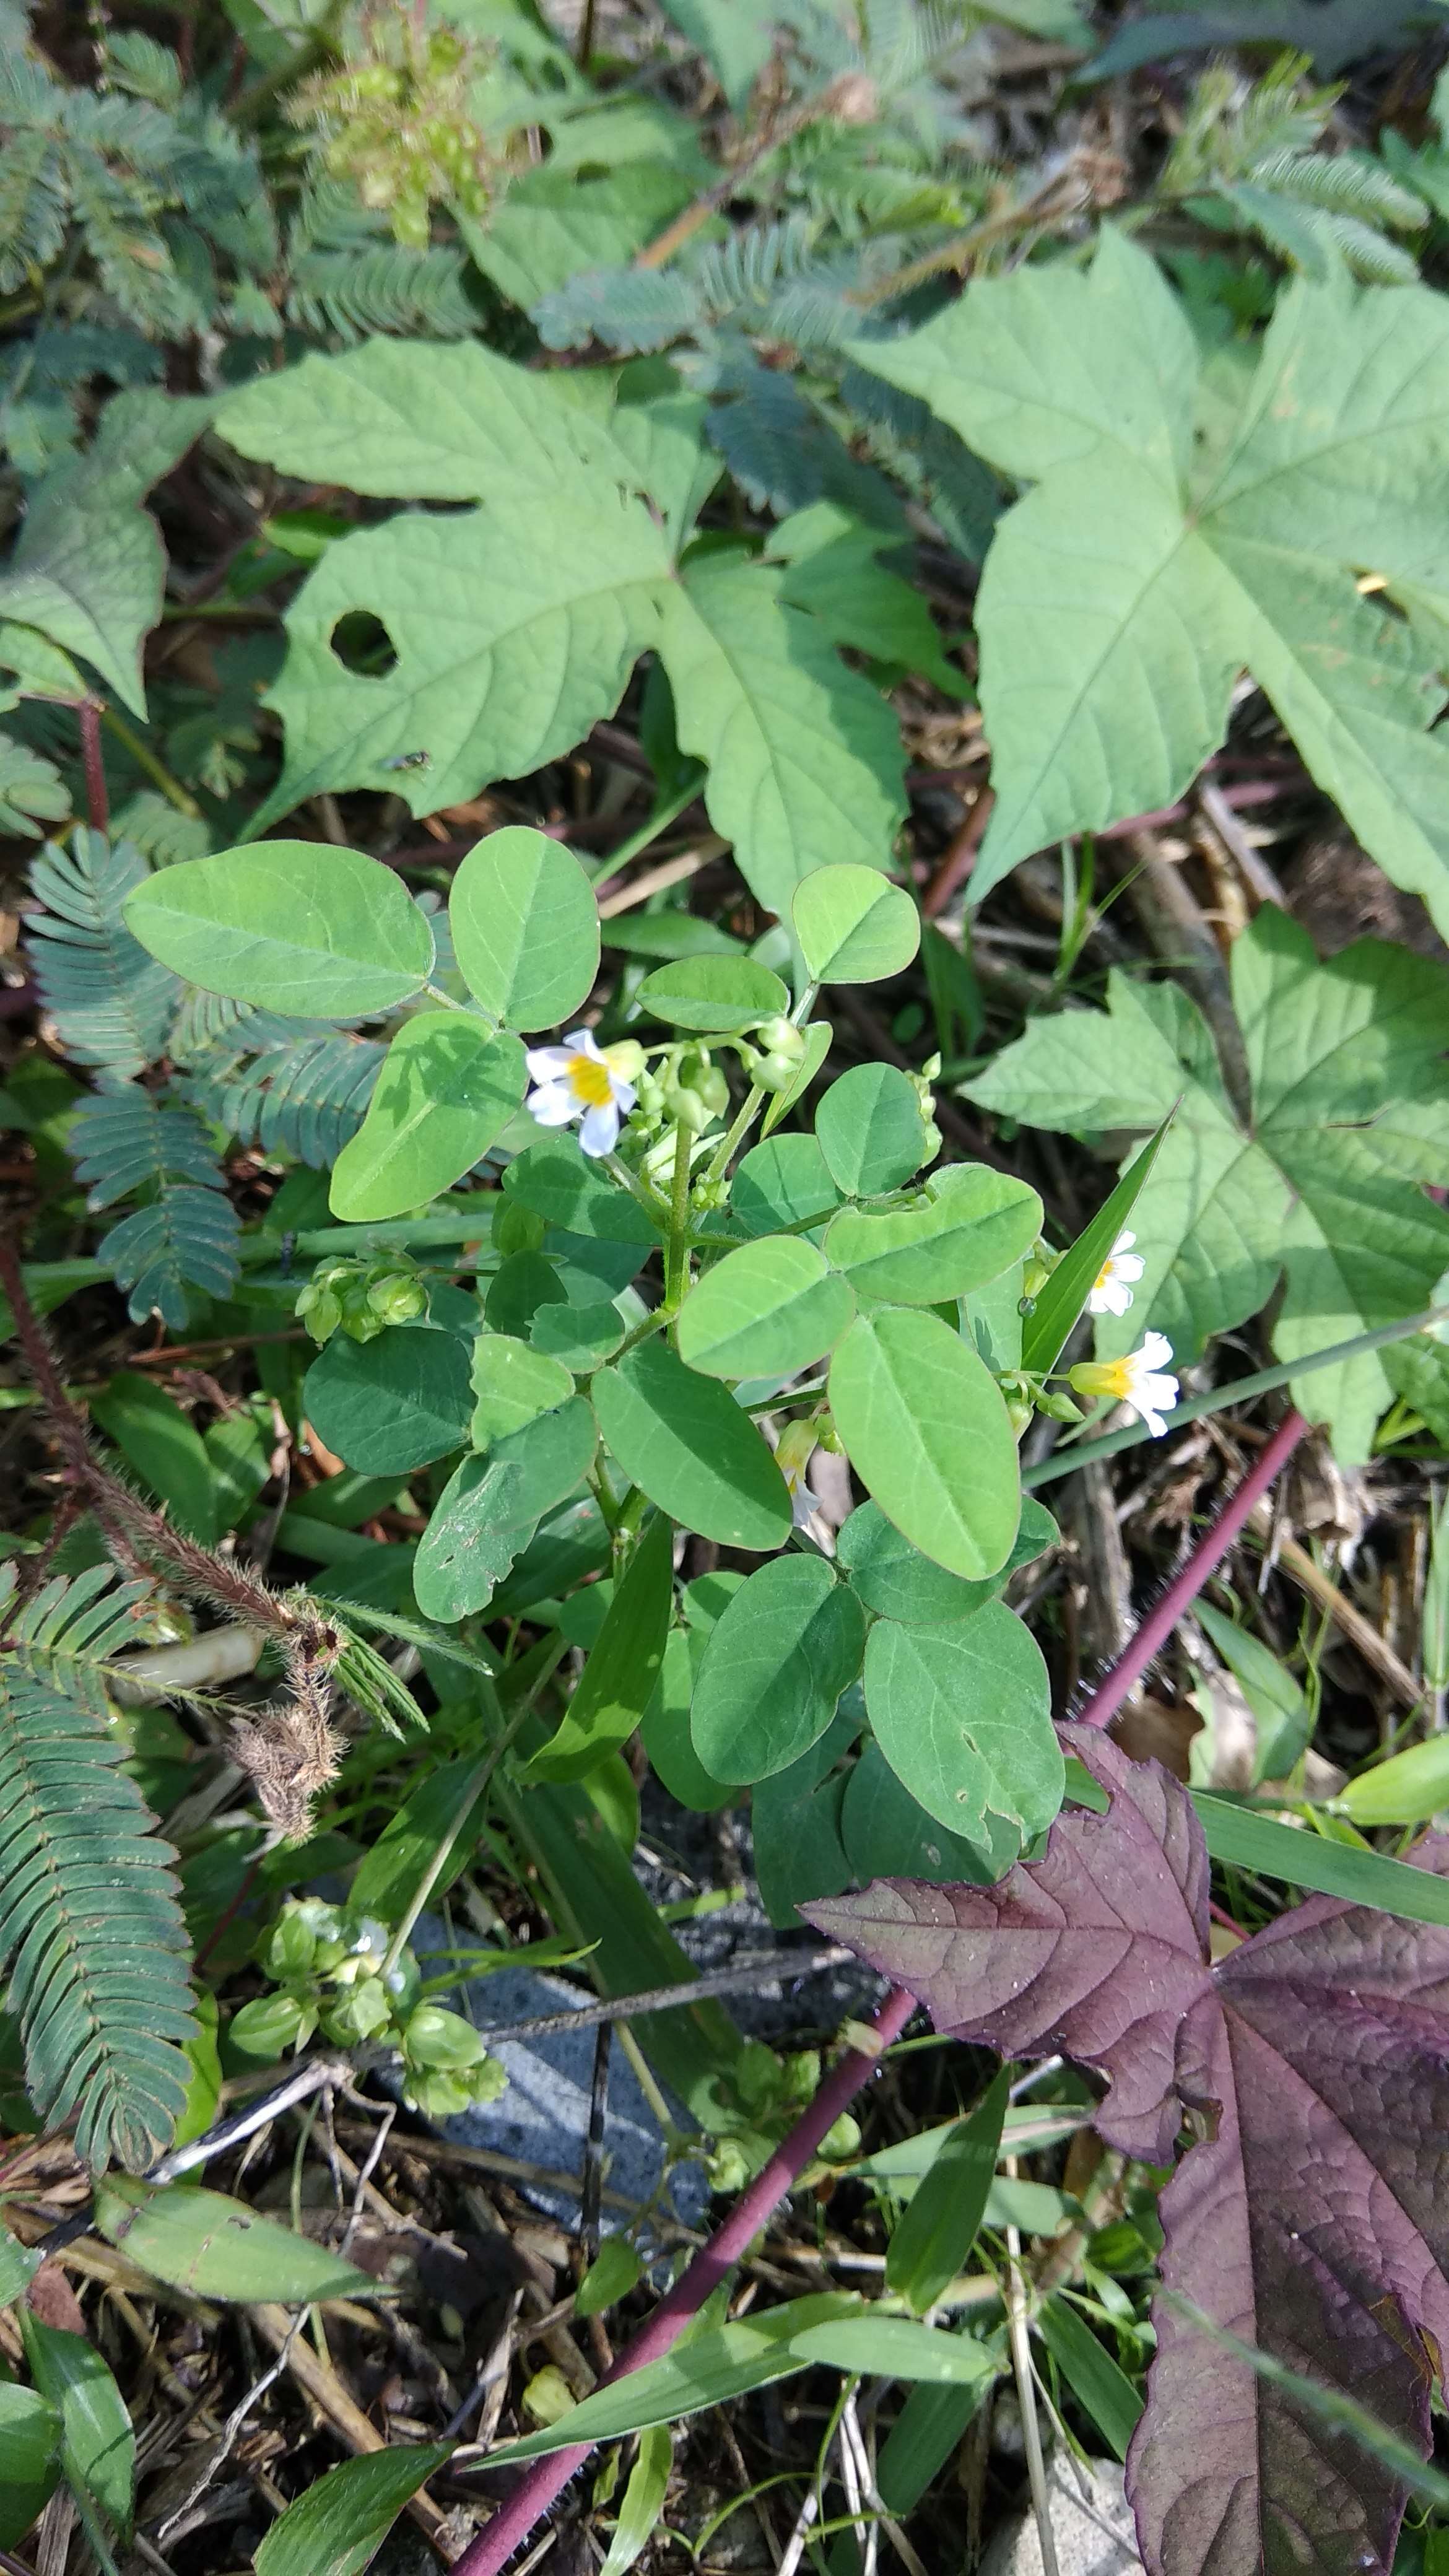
(1349, 1092)
(1122, 597)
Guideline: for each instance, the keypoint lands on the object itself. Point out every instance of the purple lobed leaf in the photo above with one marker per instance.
(1311, 2216)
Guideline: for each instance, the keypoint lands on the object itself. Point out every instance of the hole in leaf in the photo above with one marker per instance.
(362, 644)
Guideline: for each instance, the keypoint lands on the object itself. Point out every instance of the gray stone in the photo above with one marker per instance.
(543, 2117)
(1094, 2534)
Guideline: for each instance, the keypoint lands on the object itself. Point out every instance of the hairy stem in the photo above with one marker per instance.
(143, 1538)
(156, 770)
(98, 803)
(1210, 1550)
(544, 2479)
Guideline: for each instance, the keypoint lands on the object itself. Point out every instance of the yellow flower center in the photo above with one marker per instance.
(588, 1080)
(1104, 1274)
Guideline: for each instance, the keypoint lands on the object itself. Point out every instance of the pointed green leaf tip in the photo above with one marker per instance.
(525, 928)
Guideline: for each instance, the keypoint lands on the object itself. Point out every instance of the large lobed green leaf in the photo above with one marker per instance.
(512, 628)
(1124, 594)
(1349, 1121)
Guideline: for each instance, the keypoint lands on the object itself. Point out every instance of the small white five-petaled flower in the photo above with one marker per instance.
(1111, 1290)
(579, 1080)
(1137, 1381)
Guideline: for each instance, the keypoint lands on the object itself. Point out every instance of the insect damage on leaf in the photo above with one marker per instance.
(1308, 2218)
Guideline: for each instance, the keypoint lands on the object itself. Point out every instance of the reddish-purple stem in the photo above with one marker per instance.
(1158, 1626)
(545, 2479)
(514, 2521)
(98, 803)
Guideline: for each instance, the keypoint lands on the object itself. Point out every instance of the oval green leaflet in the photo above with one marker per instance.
(1408, 1789)
(512, 1385)
(558, 1181)
(525, 928)
(782, 1182)
(925, 1426)
(683, 1439)
(871, 1130)
(491, 1505)
(971, 1224)
(764, 1311)
(615, 2270)
(718, 995)
(888, 1834)
(963, 1716)
(447, 1089)
(854, 926)
(664, 1729)
(774, 1667)
(473, 1535)
(298, 927)
(393, 1403)
(896, 1581)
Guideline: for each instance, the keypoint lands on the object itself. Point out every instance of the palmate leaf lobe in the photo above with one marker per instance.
(1309, 2217)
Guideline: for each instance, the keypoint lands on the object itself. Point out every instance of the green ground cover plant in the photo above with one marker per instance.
(639, 648)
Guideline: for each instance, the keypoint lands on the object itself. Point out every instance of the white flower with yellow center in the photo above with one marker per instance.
(583, 1080)
(1111, 1290)
(1137, 1381)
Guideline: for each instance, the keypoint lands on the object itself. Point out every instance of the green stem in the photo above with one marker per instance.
(156, 770)
(729, 1143)
(1237, 1391)
(653, 1322)
(658, 820)
(676, 1252)
(635, 1187)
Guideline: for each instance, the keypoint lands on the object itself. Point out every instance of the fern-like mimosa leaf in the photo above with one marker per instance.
(91, 1927)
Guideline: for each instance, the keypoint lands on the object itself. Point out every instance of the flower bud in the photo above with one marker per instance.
(360, 2013)
(842, 2140)
(398, 1299)
(320, 1312)
(779, 1036)
(688, 1107)
(443, 2040)
(625, 1059)
(776, 1072)
(290, 1948)
(267, 2028)
(729, 2166)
